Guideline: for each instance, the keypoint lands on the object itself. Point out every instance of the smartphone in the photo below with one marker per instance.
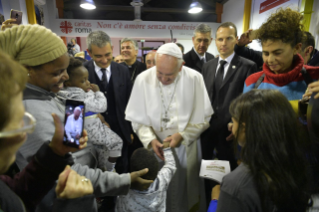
(73, 123)
(15, 14)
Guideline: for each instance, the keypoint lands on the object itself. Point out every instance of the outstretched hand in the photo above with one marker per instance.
(216, 192)
(158, 148)
(57, 145)
(231, 135)
(244, 38)
(139, 183)
(71, 185)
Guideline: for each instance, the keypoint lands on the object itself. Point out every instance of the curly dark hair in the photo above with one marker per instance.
(74, 63)
(143, 158)
(284, 25)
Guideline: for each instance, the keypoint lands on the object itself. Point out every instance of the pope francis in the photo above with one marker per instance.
(170, 102)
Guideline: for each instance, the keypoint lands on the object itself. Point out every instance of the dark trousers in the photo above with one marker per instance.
(215, 138)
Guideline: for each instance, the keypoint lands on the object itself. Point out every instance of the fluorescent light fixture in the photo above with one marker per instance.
(195, 7)
(87, 4)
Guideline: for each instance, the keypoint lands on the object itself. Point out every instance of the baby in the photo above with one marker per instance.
(107, 143)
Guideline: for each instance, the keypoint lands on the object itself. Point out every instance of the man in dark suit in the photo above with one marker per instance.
(196, 57)
(224, 79)
(114, 81)
(129, 51)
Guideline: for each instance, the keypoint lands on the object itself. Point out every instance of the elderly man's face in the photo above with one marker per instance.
(201, 42)
(77, 114)
(167, 68)
(150, 60)
(119, 59)
(128, 51)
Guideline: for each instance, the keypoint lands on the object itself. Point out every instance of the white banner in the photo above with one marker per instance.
(145, 29)
(262, 9)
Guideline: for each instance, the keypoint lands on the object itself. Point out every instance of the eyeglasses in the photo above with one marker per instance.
(28, 126)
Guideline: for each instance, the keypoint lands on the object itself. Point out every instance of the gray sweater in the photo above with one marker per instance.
(41, 104)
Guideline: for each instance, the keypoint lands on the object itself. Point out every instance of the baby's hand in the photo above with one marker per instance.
(165, 145)
(94, 87)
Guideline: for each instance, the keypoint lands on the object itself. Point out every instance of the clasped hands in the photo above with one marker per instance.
(173, 140)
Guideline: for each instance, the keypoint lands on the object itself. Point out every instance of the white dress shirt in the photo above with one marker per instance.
(227, 64)
(100, 73)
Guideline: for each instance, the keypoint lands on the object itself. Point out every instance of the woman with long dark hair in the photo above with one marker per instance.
(272, 175)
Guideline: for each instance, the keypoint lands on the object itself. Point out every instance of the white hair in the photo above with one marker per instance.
(130, 40)
(202, 28)
(77, 108)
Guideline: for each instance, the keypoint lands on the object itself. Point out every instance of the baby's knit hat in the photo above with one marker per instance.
(31, 45)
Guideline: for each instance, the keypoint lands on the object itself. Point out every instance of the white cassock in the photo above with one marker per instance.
(188, 109)
(73, 127)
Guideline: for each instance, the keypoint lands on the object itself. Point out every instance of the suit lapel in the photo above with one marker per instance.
(214, 69)
(196, 60)
(231, 69)
(208, 57)
(212, 75)
(92, 73)
(115, 76)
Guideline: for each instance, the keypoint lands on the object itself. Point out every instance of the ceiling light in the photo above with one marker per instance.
(87, 4)
(195, 7)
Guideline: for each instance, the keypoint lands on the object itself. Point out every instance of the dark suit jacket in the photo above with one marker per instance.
(138, 67)
(232, 86)
(314, 61)
(192, 60)
(250, 54)
(122, 87)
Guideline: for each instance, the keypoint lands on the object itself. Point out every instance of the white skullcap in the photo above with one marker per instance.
(170, 49)
(77, 108)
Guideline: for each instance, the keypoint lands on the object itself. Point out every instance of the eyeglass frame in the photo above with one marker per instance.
(25, 129)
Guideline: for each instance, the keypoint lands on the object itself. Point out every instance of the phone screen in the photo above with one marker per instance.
(15, 14)
(73, 122)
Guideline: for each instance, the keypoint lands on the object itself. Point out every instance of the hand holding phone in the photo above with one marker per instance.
(17, 15)
(73, 123)
(56, 143)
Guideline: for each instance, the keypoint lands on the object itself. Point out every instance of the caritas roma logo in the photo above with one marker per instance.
(66, 27)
